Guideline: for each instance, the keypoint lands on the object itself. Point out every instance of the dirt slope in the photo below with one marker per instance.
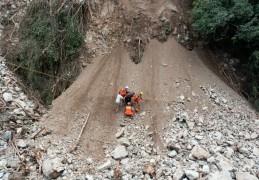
(162, 68)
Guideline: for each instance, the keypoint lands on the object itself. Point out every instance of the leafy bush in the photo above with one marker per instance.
(233, 25)
(50, 42)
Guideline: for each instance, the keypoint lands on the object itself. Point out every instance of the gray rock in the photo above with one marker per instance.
(120, 133)
(1, 174)
(178, 174)
(254, 135)
(223, 163)
(184, 116)
(13, 163)
(119, 152)
(172, 146)
(229, 152)
(21, 143)
(217, 136)
(199, 152)
(172, 154)
(245, 176)
(52, 168)
(243, 150)
(220, 175)
(105, 166)
(7, 135)
(192, 175)
(190, 124)
(8, 97)
(124, 142)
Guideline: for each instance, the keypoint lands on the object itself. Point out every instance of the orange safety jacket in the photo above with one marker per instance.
(123, 93)
(137, 98)
(128, 111)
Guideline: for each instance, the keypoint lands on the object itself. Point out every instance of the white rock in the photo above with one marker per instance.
(220, 175)
(119, 152)
(21, 143)
(199, 152)
(52, 168)
(8, 97)
(206, 169)
(172, 154)
(192, 175)
(89, 177)
(245, 176)
(105, 166)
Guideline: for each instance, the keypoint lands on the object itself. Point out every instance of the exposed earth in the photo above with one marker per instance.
(191, 125)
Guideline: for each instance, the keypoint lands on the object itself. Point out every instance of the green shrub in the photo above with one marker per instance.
(234, 26)
(50, 42)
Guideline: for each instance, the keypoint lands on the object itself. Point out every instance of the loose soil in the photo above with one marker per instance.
(94, 91)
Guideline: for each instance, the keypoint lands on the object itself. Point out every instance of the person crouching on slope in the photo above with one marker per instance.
(129, 110)
(137, 99)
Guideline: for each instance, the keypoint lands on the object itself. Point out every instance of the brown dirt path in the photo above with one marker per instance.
(95, 90)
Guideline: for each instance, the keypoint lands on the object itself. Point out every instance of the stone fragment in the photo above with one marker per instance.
(223, 163)
(254, 135)
(199, 152)
(52, 168)
(192, 175)
(220, 175)
(178, 174)
(7, 135)
(119, 152)
(120, 133)
(21, 143)
(245, 176)
(124, 142)
(105, 166)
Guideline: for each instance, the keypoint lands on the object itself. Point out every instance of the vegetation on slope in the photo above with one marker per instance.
(50, 40)
(234, 26)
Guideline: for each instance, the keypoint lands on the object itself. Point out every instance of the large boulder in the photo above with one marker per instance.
(199, 152)
(119, 152)
(52, 168)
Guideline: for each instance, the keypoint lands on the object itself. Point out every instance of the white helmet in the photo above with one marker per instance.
(127, 87)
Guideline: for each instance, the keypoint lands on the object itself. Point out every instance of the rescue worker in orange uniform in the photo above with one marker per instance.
(129, 110)
(124, 91)
(137, 99)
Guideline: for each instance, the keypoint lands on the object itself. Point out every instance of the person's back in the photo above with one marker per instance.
(118, 101)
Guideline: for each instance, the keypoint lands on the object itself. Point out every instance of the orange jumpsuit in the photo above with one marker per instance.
(128, 111)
